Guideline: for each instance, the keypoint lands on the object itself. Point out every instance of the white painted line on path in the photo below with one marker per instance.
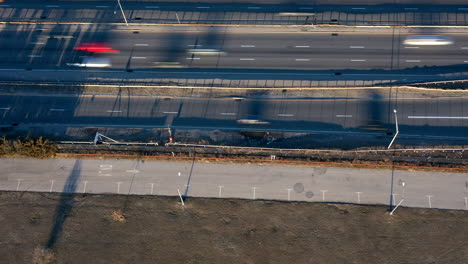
(142, 45)
(114, 111)
(438, 117)
(37, 43)
(413, 60)
(192, 58)
(429, 200)
(247, 46)
(34, 56)
(139, 58)
(84, 186)
(323, 194)
(302, 59)
(4, 108)
(230, 114)
(408, 47)
(254, 194)
(357, 60)
(246, 59)
(118, 186)
(344, 116)
(289, 194)
(57, 109)
(51, 185)
(18, 185)
(285, 115)
(356, 47)
(358, 197)
(196, 45)
(170, 112)
(302, 46)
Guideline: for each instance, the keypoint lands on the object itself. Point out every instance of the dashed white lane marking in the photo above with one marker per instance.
(285, 115)
(253, 7)
(438, 117)
(192, 58)
(196, 45)
(4, 108)
(357, 60)
(230, 114)
(37, 43)
(151, 6)
(57, 109)
(302, 46)
(50, 6)
(102, 6)
(203, 7)
(142, 45)
(114, 111)
(35, 56)
(247, 46)
(413, 60)
(344, 116)
(358, 8)
(246, 59)
(302, 59)
(356, 47)
(170, 112)
(406, 47)
(139, 58)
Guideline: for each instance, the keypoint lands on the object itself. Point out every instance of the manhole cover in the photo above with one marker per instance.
(309, 194)
(298, 187)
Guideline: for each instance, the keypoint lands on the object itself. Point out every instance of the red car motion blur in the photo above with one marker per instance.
(96, 47)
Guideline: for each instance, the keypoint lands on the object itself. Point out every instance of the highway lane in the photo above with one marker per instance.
(437, 117)
(306, 51)
(288, 183)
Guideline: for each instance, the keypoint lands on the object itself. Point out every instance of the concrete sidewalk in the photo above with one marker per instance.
(194, 179)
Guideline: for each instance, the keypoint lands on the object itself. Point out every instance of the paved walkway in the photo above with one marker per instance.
(192, 179)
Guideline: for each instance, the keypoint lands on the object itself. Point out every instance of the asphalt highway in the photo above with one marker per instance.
(192, 179)
(417, 118)
(27, 46)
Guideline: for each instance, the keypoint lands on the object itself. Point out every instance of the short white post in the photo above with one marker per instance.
(84, 186)
(19, 183)
(254, 188)
(152, 188)
(180, 196)
(397, 131)
(177, 16)
(220, 189)
(429, 200)
(359, 197)
(396, 206)
(466, 203)
(118, 187)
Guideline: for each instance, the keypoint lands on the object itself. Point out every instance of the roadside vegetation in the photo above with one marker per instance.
(27, 147)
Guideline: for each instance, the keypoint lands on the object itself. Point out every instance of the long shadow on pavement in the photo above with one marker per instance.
(65, 205)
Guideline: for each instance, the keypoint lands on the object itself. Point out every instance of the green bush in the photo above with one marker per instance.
(35, 148)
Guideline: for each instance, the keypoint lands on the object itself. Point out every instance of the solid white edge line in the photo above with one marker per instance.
(438, 117)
